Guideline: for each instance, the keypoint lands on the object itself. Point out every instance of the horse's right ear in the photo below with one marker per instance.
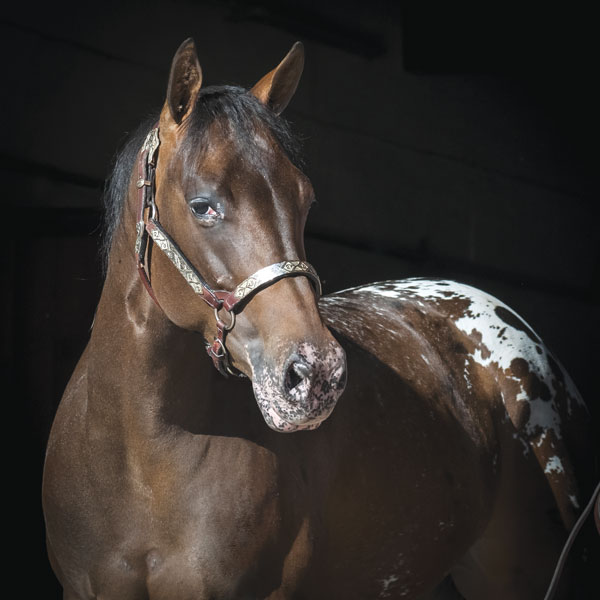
(277, 87)
(185, 81)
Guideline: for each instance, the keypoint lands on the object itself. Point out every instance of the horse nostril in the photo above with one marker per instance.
(341, 377)
(297, 372)
(302, 369)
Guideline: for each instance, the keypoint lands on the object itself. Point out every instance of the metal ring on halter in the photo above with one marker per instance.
(153, 210)
(223, 349)
(234, 373)
(231, 324)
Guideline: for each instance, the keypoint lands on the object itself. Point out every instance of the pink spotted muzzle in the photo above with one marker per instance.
(303, 393)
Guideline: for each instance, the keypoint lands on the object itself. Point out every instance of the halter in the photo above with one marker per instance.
(148, 226)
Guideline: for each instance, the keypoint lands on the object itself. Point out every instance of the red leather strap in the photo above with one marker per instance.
(218, 352)
(144, 183)
(146, 282)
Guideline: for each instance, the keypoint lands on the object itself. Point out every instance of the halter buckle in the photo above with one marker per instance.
(220, 321)
(217, 343)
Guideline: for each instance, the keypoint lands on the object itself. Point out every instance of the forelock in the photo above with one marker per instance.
(241, 115)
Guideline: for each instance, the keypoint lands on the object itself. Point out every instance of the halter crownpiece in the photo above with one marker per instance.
(220, 300)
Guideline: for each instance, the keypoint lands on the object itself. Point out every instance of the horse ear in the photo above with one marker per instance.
(276, 88)
(185, 80)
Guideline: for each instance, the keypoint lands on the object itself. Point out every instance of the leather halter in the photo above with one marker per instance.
(148, 227)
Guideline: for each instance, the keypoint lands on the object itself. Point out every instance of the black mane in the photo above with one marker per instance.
(239, 110)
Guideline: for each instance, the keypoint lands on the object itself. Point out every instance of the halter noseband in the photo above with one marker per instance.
(230, 302)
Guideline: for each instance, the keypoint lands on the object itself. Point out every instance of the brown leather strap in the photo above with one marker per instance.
(145, 187)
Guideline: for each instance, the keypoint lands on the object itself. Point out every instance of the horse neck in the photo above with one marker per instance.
(138, 361)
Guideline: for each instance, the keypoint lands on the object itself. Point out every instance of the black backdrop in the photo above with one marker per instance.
(441, 140)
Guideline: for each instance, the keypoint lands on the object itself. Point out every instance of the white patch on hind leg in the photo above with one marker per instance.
(554, 465)
(385, 585)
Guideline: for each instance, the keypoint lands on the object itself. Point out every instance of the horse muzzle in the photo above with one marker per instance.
(303, 392)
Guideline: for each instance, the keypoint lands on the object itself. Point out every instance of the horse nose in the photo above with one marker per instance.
(306, 378)
(297, 382)
(301, 391)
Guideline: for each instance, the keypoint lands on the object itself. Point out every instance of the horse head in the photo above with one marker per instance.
(228, 190)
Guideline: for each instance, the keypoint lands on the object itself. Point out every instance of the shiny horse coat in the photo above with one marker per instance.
(452, 452)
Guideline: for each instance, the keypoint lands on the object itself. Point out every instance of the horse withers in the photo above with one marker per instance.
(451, 454)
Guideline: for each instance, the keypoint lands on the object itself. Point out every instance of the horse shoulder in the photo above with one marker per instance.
(68, 423)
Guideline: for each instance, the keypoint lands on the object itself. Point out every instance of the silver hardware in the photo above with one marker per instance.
(151, 144)
(231, 324)
(139, 228)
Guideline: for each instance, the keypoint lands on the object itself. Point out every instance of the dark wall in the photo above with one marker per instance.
(440, 141)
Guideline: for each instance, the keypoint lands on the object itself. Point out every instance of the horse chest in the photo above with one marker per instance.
(207, 520)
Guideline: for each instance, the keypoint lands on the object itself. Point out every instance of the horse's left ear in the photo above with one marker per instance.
(276, 88)
(185, 81)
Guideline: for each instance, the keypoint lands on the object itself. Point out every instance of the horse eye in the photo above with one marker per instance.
(203, 208)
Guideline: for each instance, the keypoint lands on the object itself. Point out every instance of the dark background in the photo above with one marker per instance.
(441, 139)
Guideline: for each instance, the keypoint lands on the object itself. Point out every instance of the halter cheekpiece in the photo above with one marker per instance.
(221, 301)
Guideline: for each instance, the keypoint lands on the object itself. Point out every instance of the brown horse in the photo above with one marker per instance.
(452, 452)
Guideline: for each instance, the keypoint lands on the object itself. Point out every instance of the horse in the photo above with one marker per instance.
(413, 438)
